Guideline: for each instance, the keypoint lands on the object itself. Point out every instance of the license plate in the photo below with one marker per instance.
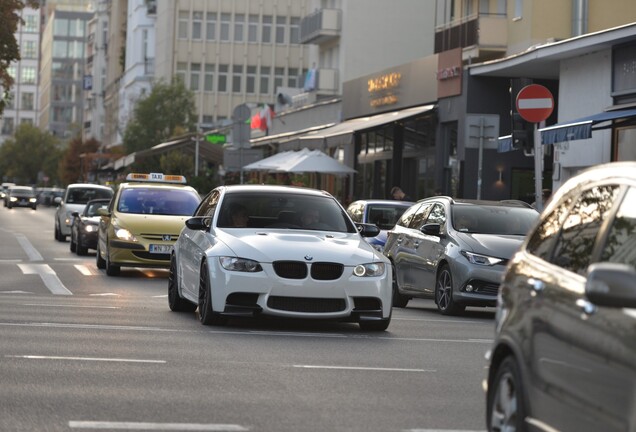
(160, 249)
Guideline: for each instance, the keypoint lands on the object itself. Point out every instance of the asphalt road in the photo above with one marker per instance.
(81, 351)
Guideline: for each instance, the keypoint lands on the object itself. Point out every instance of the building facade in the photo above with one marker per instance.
(22, 106)
(95, 73)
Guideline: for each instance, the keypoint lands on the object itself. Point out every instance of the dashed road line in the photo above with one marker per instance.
(48, 276)
(202, 427)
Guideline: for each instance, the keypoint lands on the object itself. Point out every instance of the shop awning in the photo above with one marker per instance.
(342, 132)
(582, 128)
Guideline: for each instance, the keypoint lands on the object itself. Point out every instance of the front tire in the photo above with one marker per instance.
(176, 303)
(506, 409)
(111, 269)
(99, 261)
(444, 293)
(399, 300)
(207, 316)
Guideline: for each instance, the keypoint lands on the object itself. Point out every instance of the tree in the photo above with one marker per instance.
(30, 156)
(167, 111)
(9, 50)
(71, 169)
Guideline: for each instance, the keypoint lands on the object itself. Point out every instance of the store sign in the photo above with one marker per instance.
(449, 73)
(382, 89)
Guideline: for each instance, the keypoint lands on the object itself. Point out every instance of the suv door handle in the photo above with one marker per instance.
(536, 284)
(587, 307)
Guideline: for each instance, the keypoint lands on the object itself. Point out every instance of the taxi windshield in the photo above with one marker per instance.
(169, 202)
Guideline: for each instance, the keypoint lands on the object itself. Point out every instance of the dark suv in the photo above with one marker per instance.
(564, 356)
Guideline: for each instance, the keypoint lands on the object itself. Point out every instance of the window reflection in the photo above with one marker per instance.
(620, 246)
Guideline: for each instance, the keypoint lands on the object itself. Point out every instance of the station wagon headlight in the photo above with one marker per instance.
(369, 270)
(478, 259)
(240, 264)
(124, 234)
(90, 228)
(32, 200)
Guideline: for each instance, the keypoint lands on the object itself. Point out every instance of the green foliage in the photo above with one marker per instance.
(71, 169)
(9, 50)
(167, 111)
(176, 162)
(30, 155)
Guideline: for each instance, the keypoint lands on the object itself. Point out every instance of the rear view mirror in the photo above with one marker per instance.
(367, 230)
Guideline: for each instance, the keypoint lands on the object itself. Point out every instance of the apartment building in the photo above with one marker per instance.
(22, 106)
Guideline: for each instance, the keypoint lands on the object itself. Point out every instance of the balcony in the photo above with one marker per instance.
(483, 36)
(321, 26)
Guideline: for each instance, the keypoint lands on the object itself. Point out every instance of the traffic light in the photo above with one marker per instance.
(522, 132)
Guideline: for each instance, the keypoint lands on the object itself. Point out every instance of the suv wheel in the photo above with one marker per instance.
(444, 293)
(506, 408)
(399, 300)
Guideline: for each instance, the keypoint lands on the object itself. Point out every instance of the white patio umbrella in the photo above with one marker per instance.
(272, 163)
(314, 161)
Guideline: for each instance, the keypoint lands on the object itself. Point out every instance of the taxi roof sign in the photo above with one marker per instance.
(156, 178)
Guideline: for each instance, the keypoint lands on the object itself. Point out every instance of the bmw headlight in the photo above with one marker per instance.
(124, 234)
(240, 264)
(478, 259)
(369, 270)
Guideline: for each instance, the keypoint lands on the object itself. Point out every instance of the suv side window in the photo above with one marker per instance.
(405, 220)
(420, 216)
(620, 245)
(542, 240)
(574, 247)
(437, 215)
(208, 205)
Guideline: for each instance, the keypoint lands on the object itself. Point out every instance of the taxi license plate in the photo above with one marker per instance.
(160, 249)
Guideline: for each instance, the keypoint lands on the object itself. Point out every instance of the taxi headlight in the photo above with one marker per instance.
(369, 270)
(124, 234)
(240, 264)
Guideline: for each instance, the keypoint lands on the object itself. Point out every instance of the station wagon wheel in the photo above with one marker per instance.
(506, 407)
(207, 316)
(399, 300)
(176, 303)
(99, 261)
(444, 293)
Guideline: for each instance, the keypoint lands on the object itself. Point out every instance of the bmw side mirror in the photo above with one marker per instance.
(197, 223)
(611, 284)
(367, 230)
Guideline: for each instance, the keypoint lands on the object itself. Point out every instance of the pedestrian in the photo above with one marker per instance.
(398, 194)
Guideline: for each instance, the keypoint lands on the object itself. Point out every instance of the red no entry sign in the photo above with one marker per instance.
(535, 103)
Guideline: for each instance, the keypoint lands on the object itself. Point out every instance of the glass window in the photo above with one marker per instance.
(208, 79)
(266, 34)
(225, 26)
(573, 249)
(27, 100)
(28, 75)
(76, 28)
(208, 205)
(28, 121)
(184, 18)
(265, 71)
(7, 126)
(31, 24)
(292, 79)
(182, 70)
(60, 27)
(542, 240)
(281, 25)
(223, 72)
(195, 72)
(11, 70)
(252, 29)
(250, 83)
(620, 245)
(408, 215)
(279, 77)
(29, 50)
(210, 26)
(237, 78)
(60, 48)
(437, 215)
(294, 30)
(239, 27)
(197, 25)
(175, 202)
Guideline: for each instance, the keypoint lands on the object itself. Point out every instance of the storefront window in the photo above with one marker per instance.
(625, 148)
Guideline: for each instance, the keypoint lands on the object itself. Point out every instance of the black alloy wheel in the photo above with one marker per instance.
(176, 303)
(207, 316)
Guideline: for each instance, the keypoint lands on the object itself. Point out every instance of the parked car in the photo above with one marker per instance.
(21, 196)
(143, 221)
(383, 213)
(75, 198)
(84, 226)
(278, 251)
(455, 251)
(564, 354)
(3, 191)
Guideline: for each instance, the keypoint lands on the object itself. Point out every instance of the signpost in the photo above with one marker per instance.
(535, 104)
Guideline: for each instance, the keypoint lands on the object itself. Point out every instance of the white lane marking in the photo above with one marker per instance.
(106, 295)
(10, 261)
(102, 359)
(157, 426)
(16, 292)
(441, 430)
(70, 306)
(444, 321)
(71, 259)
(31, 252)
(48, 276)
(83, 270)
(363, 368)
(160, 296)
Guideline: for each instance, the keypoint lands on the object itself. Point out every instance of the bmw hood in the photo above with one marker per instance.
(317, 246)
(500, 246)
